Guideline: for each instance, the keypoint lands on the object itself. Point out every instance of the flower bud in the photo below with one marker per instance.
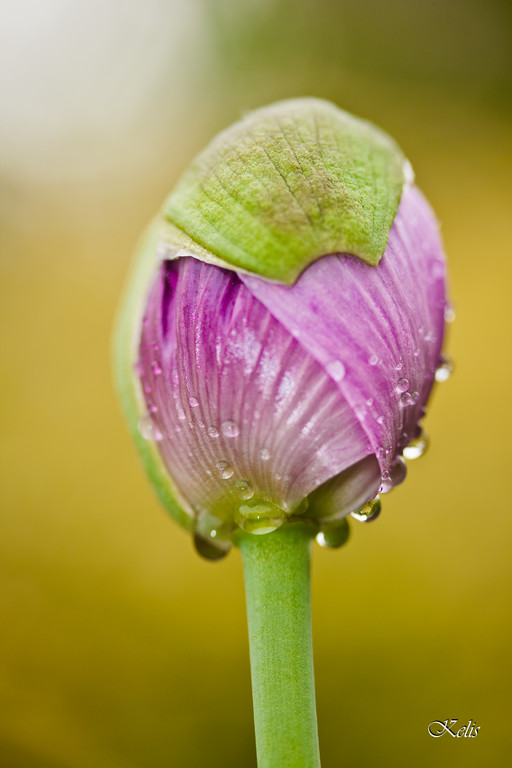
(283, 326)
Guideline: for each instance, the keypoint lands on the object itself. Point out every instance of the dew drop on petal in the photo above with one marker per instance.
(264, 454)
(230, 429)
(156, 369)
(373, 360)
(402, 385)
(193, 402)
(398, 471)
(403, 440)
(336, 369)
(449, 313)
(438, 269)
(224, 469)
(386, 483)
(213, 432)
(444, 371)
(417, 447)
(408, 173)
(368, 512)
(145, 427)
(405, 399)
(244, 490)
(333, 534)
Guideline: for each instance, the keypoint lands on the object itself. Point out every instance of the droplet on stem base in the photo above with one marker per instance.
(259, 518)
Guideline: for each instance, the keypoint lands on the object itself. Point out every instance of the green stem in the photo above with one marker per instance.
(277, 583)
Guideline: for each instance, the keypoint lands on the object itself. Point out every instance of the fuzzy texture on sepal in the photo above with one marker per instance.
(284, 186)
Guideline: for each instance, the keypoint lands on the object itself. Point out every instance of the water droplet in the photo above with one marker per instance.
(193, 402)
(417, 447)
(145, 427)
(369, 402)
(438, 269)
(386, 484)
(417, 352)
(225, 469)
(182, 416)
(405, 399)
(444, 371)
(399, 366)
(260, 518)
(244, 490)
(449, 313)
(209, 548)
(230, 429)
(368, 512)
(415, 396)
(398, 471)
(156, 369)
(264, 454)
(336, 369)
(213, 432)
(373, 360)
(402, 385)
(334, 534)
(380, 419)
(403, 440)
(408, 173)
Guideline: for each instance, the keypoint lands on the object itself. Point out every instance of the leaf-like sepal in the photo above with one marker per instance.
(286, 185)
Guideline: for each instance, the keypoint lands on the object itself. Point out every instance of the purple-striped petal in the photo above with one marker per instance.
(240, 410)
(378, 332)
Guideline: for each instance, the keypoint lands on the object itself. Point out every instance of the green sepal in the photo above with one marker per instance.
(126, 341)
(286, 185)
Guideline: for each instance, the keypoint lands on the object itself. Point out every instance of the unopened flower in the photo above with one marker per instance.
(283, 327)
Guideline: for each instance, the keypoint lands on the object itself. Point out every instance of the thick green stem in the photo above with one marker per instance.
(277, 582)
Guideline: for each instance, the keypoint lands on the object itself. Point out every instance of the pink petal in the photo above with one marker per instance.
(382, 327)
(234, 400)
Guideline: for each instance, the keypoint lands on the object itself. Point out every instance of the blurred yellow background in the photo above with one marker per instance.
(120, 647)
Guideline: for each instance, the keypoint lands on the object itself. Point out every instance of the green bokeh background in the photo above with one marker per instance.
(120, 648)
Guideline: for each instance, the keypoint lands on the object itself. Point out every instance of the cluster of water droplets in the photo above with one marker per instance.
(213, 536)
(335, 533)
